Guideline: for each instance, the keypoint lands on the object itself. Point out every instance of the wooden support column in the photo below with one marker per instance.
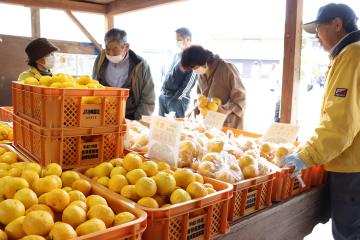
(109, 22)
(35, 22)
(291, 65)
(83, 29)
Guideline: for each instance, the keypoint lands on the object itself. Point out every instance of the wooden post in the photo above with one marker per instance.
(109, 22)
(291, 65)
(35, 22)
(83, 29)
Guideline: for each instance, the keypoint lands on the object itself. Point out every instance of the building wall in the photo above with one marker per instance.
(13, 60)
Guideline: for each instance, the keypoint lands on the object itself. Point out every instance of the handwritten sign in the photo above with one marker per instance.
(281, 133)
(214, 120)
(164, 139)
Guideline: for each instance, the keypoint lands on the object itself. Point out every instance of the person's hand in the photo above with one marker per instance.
(223, 110)
(293, 160)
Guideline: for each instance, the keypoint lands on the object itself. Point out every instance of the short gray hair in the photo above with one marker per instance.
(116, 34)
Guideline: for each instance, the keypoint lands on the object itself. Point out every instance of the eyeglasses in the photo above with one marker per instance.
(317, 26)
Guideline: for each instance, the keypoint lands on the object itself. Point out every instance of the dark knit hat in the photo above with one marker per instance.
(39, 48)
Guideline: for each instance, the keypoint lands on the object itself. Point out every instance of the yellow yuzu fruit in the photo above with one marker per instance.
(90, 226)
(103, 169)
(184, 177)
(165, 183)
(148, 202)
(74, 215)
(118, 170)
(150, 168)
(196, 190)
(62, 231)
(69, 177)
(129, 192)
(135, 175)
(42, 207)
(117, 182)
(76, 195)
(14, 229)
(123, 217)
(57, 199)
(52, 169)
(132, 161)
(103, 181)
(38, 222)
(103, 213)
(14, 184)
(94, 200)
(44, 185)
(27, 197)
(82, 185)
(179, 196)
(145, 187)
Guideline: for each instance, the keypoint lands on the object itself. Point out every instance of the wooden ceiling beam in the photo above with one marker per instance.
(61, 4)
(122, 6)
(83, 29)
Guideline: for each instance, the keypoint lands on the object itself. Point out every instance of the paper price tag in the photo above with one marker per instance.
(214, 120)
(281, 133)
(165, 130)
(165, 139)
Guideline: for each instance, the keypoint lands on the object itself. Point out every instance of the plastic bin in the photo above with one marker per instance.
(318, 176)
(6, 114)
(203, 218)
(130, 231)
(63, 108)
(21, 157)
(69, 148)
(251, 195)
(286, 187)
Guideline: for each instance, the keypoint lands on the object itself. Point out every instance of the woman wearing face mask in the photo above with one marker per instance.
(118, 66)
(218, 78)
(41, 59)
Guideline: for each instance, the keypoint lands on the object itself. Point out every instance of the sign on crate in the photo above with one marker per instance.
(281, 133)
(214, 120)
(164, 139)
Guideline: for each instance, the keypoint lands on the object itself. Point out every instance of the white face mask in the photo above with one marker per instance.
(49, 61)
(180, 44)
(200, 70)
(115, 59)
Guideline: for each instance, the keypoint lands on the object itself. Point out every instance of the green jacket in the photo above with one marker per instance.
(141, 99)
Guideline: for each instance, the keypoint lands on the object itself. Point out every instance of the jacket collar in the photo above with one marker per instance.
(350, 38)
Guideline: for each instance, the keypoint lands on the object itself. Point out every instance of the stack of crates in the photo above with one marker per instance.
(71, 127)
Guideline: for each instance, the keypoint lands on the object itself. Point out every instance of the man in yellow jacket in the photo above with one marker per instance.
(336, 142)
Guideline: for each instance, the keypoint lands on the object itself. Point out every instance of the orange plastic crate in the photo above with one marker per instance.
(69, 148)
(21, 157)
(286, 187)
(130, 231)
(63, 108)
(251, 195)
(318, 176)
(6, 114)
(185, 221)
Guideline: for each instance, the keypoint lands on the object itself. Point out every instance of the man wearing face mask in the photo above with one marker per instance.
(220, 79)
(41, 59)
(175, 92)
(118, 66)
